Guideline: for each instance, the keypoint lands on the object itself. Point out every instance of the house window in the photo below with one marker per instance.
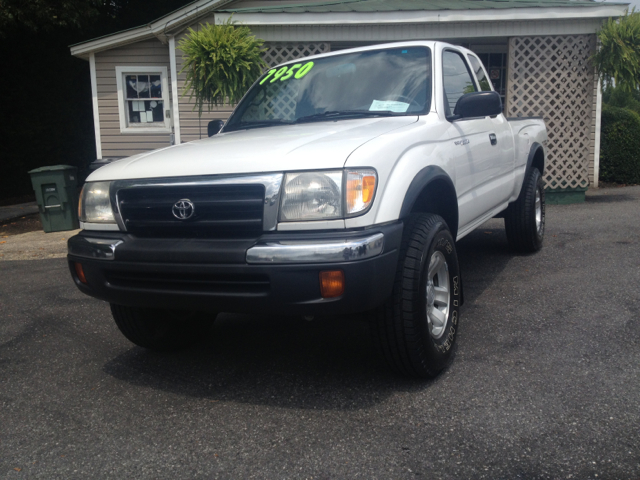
(143, 100)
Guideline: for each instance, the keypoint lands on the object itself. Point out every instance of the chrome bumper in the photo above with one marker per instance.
(268, 253)
(328, 251)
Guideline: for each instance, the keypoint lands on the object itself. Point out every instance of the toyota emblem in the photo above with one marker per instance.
(183, 209)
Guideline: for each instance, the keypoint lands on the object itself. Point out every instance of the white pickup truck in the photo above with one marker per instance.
(339, 184)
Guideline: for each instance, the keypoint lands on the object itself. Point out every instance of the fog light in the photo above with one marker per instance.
(80, 272)
(332, 283)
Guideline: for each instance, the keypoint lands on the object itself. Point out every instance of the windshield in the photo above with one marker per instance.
(373, 83)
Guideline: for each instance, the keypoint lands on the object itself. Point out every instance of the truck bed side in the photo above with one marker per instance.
(529, 134)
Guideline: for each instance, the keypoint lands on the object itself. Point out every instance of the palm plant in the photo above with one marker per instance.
(618, 58)
(221, 63)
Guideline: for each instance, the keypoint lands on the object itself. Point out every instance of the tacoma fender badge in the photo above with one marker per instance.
(464, 141)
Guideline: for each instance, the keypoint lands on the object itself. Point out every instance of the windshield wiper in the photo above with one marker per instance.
(345, 114)
(257, 124)
(243, 125)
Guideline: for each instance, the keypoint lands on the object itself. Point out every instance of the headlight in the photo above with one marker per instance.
(312, 196)
(95, 204)
(320, 195)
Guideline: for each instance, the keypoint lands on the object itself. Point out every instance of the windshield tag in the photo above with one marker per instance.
(388, 105)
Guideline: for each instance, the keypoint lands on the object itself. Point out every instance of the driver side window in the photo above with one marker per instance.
(457, 80)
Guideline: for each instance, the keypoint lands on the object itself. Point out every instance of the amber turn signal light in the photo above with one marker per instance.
(332, 283)
(361, 186)
(80, 272)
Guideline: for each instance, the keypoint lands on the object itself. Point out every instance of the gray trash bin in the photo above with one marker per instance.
(56, 189)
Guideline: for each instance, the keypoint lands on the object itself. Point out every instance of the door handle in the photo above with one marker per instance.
(493, 138)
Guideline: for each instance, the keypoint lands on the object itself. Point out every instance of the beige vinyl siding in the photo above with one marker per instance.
(151, 53)
(193, 127)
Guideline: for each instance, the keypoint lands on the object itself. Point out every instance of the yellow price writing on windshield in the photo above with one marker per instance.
(285, 73)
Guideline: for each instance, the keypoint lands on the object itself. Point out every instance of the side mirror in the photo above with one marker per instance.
(477, 104)
(214, 127)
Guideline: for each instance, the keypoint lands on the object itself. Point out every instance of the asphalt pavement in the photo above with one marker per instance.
(15, 211)
(545, 381)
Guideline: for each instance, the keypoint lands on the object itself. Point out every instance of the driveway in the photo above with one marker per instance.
(17, 211)
(545, 382)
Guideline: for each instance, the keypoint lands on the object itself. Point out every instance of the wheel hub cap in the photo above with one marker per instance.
(437, 294)
(431, 294)
(538, 211)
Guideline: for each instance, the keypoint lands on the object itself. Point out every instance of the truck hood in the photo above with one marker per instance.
(274, 149)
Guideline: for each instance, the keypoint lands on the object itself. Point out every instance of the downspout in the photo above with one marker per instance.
(596, 139)
(94, 97)
(596, 147)
(174, 90)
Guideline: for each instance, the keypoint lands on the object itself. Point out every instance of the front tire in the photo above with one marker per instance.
(525, 218)
(416, 328)
(161, 330)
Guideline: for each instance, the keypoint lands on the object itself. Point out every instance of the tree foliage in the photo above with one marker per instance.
(221, 63)
(618, 59)
(46, 15)
(47, 93)
(90, 18)
(134, 13)
(615, 96)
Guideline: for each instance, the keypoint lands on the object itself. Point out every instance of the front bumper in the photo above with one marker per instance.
(276, 273)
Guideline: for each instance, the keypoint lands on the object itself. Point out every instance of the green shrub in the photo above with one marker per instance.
(221, 62)
(619, 97)
(619, 152)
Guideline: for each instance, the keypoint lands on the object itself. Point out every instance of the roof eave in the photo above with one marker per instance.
(600, 10)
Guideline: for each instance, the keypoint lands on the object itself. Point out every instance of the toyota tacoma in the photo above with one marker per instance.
(339, 184)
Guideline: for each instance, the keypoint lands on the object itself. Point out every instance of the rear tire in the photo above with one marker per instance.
(524, 219)
(161, 330)
(416, 328)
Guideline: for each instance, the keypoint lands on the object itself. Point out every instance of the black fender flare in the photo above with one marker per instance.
(423, 178)
(535, 146)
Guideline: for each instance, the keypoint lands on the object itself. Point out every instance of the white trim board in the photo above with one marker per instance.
(175, 99)
(124, 128)
(94, 98)
(603, 10)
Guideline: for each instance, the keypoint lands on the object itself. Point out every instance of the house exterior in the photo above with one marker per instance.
(536, 51)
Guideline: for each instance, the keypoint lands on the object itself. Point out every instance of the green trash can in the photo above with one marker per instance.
(56, 189)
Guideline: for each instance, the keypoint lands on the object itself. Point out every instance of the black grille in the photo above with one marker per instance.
(204, 283)
(219, 210)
